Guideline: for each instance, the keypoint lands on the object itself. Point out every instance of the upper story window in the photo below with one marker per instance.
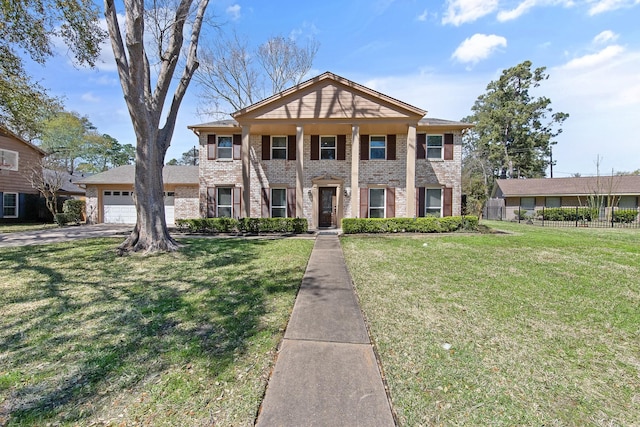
(433, 202)
(279, 147)
(10, 205)
(378, 147)
(8, 160)
(327, 147)
(225, 146)
(434, 146)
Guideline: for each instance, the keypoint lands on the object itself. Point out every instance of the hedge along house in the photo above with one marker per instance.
(329, 149)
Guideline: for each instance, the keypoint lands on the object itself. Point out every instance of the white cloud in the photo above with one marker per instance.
(526, 5)
(605, 37)
(90, 97)
(234, 11)
(423, 17)
(478, 47)
(463, 11)
(594, 59)
(601, 6)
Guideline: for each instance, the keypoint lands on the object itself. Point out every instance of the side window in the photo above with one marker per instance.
(377, 147)
(376, 203)
(434, 146)
(279, 147)
(225, 147)
(10, 205)
(8, 160)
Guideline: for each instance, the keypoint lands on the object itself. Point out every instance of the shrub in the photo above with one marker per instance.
(61, 219)
(409, 225)
(625, 216)
(567, 214)
(243, 225)
(74, 210)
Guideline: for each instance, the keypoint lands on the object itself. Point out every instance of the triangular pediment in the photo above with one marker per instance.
(329, 97)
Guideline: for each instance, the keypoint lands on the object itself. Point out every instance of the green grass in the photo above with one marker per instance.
(14, 228)
(186, 339)
(544, 324)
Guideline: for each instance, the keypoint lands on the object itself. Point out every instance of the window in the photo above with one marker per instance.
(225, 202)
(434, 146)
(8, 160)
(433, 202)
(327, 147)
(628, 202)
(377, 148)
(553, 202)
(107, 193)
(376, 202)
(279, 147)
(225, 147)
(528, 203)
(278, 203)
(10, 205)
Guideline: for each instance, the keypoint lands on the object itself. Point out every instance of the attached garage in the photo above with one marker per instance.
(110, 194)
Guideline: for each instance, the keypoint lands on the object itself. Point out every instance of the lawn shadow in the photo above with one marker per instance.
(90, 335)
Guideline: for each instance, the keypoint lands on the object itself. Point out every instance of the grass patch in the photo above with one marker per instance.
(14, 228)
(543, 324)
(187, 339)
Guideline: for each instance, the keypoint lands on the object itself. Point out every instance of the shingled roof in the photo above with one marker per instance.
(126, 174)
(619, 185)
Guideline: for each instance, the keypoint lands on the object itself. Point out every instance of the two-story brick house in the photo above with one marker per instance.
(329, 149)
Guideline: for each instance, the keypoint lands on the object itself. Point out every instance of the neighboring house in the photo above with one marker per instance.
(18, 198)
(329, 149)
(109, 194)
(534, 194)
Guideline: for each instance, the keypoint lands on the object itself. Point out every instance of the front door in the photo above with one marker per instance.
(327, 207)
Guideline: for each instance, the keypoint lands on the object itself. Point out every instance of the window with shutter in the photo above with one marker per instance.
(434, 147)
(225, 147)
(278, 203)
(10, 205)
(279, 147)
(377, 203)
(328, 147)
(377, 147)
(433, 202)
(225, 202)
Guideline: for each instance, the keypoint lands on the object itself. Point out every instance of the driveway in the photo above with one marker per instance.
(64, 234)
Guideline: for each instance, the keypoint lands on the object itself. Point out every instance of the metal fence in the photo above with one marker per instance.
(612, 217)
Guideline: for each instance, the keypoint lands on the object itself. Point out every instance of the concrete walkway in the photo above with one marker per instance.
(326, 373)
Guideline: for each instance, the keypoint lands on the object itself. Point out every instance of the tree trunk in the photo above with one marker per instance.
(150, 233)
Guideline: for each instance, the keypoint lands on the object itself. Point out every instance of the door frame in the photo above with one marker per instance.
(326, 181)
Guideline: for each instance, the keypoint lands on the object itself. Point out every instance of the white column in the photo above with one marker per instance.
(246, 172)
(355, 167)
(410, 191)
(300, 172)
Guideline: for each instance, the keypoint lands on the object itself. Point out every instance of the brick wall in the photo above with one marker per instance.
(186, 202)
(91, 204)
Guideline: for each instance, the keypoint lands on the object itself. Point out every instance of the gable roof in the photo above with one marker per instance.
(328, 96)
(619, 185)
(126, 175)
(7, 133)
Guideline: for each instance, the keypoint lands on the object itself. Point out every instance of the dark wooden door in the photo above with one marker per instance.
(327, 207)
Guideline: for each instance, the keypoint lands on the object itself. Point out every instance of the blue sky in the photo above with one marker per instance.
(438, 56)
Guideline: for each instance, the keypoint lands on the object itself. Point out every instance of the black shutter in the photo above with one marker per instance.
(237, 146)
(447, 202)
(211, 202)
(421, 146)
(391, 202)
(266, 147)
(291, 202)
(421, 201)
(448, 146)
(341, 147)
(364, 147)
(315, 147)
(291, 147)
(364, 203)
(391, 147)
(265, 203)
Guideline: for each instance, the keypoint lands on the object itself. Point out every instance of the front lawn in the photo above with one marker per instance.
(535, 327)
(188, 339)
(29, 226)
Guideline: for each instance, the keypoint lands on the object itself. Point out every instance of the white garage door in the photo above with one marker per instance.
(119, 207)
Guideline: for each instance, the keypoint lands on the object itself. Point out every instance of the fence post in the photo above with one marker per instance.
(613, 212)
(519, 215)
(576, 217)
(543, 216)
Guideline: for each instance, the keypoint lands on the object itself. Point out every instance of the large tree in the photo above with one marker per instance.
(514, 131)
(232, 76)
(30, 27)
(146, 95)
(64, 137)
